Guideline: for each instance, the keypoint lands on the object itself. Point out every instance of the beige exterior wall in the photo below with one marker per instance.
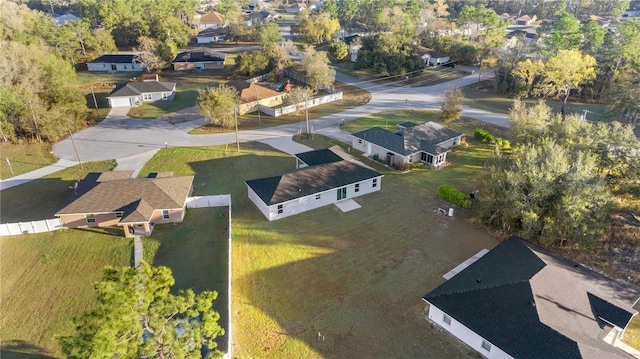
(80, 220)
(175, 216)
(253, 106)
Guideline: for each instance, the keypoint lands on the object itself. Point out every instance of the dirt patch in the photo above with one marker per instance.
(184, 115)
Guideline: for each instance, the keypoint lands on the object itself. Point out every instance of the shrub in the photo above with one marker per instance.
(453, 195)
(415, 165)
(484, 135)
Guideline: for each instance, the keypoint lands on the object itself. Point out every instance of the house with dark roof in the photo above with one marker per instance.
(323, 177)
(105, 199)
(522, 301)
(253, 96)
(134, 93)
(211, 34)
(427, 142)
(116, 62)
(431, 57)
(261, 16)
(199, 58)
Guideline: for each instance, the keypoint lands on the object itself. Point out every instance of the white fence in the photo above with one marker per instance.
(46, 225)
(259, 78)
(275, 112)
(222, 200)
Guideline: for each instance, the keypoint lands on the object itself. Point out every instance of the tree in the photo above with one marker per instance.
(566, 71)
(387, 54)
(297, 97)
(526, 72)
(451, 108)
(566, 33)
(317, 70)
(268, 33)
(100, 43)
(219, 105)
(593, 35)
(338, 49)
(148, 54)
(623, 96)
(347, 12)
(250, 64)
(138, 317)
(528, 123)
(316, 28)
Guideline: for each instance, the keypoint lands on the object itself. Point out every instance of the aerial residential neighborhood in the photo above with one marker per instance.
(331, 179)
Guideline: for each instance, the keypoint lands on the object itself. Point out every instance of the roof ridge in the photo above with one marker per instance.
(483, 288)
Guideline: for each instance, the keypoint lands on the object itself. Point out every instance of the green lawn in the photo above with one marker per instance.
(632, 334)
(24, 157)
(352, 276)
(186, 96)
(46, 281)
(426, 77)
(41, 198)
(87, 78)
(501, 103)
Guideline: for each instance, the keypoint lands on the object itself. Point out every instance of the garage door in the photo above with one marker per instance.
(119, 102)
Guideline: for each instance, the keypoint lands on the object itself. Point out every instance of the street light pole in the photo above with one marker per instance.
(306, 112)
(35, 122)
(235, 116)
(258, 100)
(75, 149)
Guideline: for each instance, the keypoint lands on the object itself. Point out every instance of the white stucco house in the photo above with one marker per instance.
(212, 19)
(322, 178)
(211, 34)
(427, 142)
(132, 94)
(522, 301)
(431, 57)
(116, 63)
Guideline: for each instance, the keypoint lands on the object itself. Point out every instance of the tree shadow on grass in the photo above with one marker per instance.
(21, 349)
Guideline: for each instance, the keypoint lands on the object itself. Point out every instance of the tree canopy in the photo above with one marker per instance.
(317, 70)
(218, 105)
(387, 54)
(137, 316)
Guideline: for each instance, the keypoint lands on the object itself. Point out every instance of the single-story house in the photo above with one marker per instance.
(211, 34)
(135, 93)
(526, 20)
(261, 16)
(213, 19)
(529, 36)
(353, 45)
(252, 96)
(105, 199)
(427, 142)
(116, 62)
(323, 177)
(508, 18)
(61, 20)
(199, 58)
(522, 301)
(431, 57)
(295, 8)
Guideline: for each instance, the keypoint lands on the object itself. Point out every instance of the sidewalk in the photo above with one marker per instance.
(41, 172)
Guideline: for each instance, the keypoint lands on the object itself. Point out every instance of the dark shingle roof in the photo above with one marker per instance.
(534, 304)
(213, 31)
(200, 55)
(117, 59)
(423, 137)
(309, 180)
(137, 88)
(318, 157)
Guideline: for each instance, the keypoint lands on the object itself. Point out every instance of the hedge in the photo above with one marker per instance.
(451, 194)
(484, 135)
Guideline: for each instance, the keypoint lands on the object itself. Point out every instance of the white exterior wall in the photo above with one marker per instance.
(119, 67)
(452, 142)
(310, 202)
(120, 101)
(434, 61)
(466, 335)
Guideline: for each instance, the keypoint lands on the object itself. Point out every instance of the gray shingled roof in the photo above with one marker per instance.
(534, 304)
(117, 59)
(137, 88)
(200, 55)
(425, 137)
(136, 197)
(309, 180)
(318, 157)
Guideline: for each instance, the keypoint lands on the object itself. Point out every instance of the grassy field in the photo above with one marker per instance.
(426, 77)
(24, 157)
(41, 198)
(632, 334)
(47, 280)
(351, 276)
(501, 103)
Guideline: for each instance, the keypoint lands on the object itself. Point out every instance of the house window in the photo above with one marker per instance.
(165, 214)
(357, 187)
(317, 196)
(146, 97)
(446, 319)
(91, 218)
(113, 67)
(164, 95)
(280, 209)
(125, 67)
(375, 182)
(359, 141)
(119, 214)
(486, 345)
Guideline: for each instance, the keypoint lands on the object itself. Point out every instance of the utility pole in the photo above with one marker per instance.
(35, 122)
(9, 163)
(235, 116)
(258, 101)
(75, 149)
(306, 112)
(95, 103)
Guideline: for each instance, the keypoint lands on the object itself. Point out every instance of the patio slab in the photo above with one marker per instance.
(347, 205)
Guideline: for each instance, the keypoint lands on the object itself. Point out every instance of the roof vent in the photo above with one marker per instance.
(478, 280)
(532, 303)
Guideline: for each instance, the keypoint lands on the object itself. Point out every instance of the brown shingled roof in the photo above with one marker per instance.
(251, 92)
(213, 17)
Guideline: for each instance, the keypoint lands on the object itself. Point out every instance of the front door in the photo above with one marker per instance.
(113, 67)
(342, 193)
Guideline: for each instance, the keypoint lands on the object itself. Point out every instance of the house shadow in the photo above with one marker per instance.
(35, 200)
(20, 349)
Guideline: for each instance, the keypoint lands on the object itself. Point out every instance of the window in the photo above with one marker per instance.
(446, 319)
(165, 214)
(164, 95)
(280, 209)
(357, 187)
(146, 97)
(119, 214)
(359, 141)
(375, 182)
(91, 218)
(486, 345)
(318, 196)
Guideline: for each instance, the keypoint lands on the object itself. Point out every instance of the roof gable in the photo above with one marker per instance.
(213, 17)
(250, 92)
(136, 88)
(318, 157)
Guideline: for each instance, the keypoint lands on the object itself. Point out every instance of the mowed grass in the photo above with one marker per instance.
(352, 276)
(41, 198)
(632, 334)
(46, 281)
(24, 157)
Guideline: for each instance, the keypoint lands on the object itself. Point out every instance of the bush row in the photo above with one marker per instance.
(451, 194)
(484, 135)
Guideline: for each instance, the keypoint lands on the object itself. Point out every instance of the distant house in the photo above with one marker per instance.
(199, 58)
(252, 96)
(211, 34)
(522, 301)
(602, 22)
(529, 36)
(323, 177)
(525, 20)
(427, 142)
(213, 19)
(116, 62)
(134, 93)
(105, 199)
(261, 16)
(61, 20)
(353, 43)
(295, 8)
(509, 19)
(431, 57)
